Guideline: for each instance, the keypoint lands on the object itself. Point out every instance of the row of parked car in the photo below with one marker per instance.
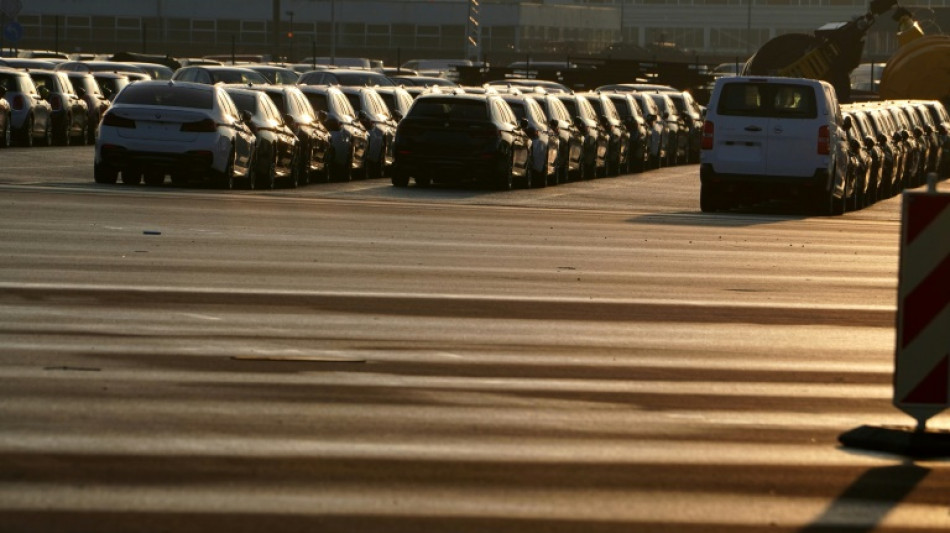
(334, 124)
(512, 134)
(893, 145)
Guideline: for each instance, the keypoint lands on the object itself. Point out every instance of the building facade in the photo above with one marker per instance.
(397, 30)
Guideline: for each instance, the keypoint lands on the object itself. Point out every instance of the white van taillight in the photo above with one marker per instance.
(824, 141)
(707, 140)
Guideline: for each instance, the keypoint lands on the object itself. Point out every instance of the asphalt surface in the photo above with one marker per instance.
(596, 356)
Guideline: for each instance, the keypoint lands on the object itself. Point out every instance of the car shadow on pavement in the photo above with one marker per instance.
(744, 218)
(864, 505)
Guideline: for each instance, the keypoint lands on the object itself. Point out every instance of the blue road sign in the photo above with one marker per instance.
(13, 31)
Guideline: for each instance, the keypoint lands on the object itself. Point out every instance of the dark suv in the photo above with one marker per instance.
(457, 137)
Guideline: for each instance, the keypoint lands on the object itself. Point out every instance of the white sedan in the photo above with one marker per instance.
(185, 130)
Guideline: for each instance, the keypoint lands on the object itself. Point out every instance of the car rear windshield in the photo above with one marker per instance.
(167, 95)
(360, 79)
(767, 100)
(449, 108)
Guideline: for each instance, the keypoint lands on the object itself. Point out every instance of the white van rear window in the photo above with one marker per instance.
(768, 100)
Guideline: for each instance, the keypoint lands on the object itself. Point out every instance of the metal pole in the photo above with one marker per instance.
(333, 32)
(748, 28)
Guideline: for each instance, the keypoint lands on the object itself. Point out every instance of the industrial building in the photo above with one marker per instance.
(397, 30)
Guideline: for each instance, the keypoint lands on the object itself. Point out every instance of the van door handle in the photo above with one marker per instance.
(753, 128)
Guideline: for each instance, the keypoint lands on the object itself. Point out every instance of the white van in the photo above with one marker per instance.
(769, 136)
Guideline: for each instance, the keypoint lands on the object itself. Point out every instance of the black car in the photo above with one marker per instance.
(348, 138)
(544, 143)
(692, 115)
(345, 77)
(312, 135)
(636, 124)
(275, 148)
(211, 74)
(570, 138)
(379, 122)
(678, 140)
(595, 139)
(70, 114)
(618, 137)
(97, 104)
(460, 137)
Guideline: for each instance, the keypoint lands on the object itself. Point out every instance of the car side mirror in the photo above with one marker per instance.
(554, 124)
(44, 93)
(289, 119)
(246, 116)
(846, 124)
(854, 145)
(868, 142)
(523, 124)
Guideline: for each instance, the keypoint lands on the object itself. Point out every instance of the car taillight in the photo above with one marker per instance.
(202, 126)
(56, 102)
(824, 141)
(708, 132)
(115, 121)
(18, 102)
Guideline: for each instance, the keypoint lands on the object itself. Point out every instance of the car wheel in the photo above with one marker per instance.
(504, 181)
(105, 174)
(400, 179)
(294, 178)
(155, 178)
(6, 138)
(342, 171)
(25, 135)
(80, 138)
(710, 199)
(131, 177)
(61, 137)
(91, 133)
(225, 180)
(268, 178)
(47, 139)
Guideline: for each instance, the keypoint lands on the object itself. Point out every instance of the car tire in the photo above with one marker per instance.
(268, 178)
(25, 134)
(47, 139)
(342, 171)
(131, 177)
(92, 131)
(710, 198)
(103, 173)
(6, 136)
(62, 137)
(80, 139)
(504, 180)
(155, 178)
(400, 179)
(225, 180)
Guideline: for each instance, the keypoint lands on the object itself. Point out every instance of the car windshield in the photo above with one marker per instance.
(238, 76)
(165, 95)
(447, 108)
(360, 78)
